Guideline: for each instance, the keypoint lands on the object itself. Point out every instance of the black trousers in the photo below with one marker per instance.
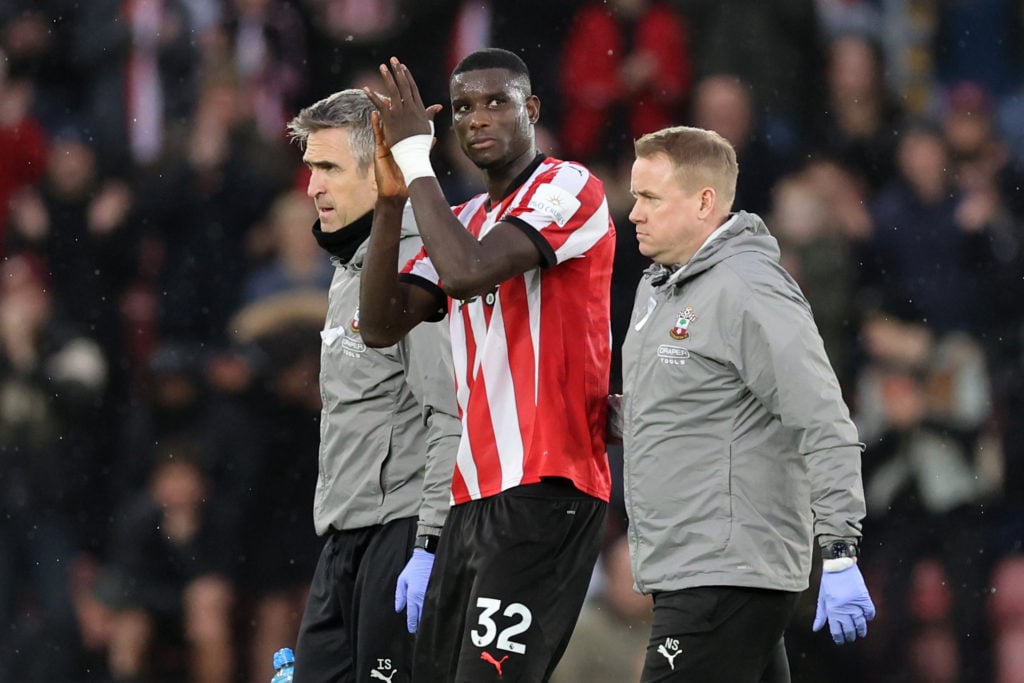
(509, 580)
(719, 633)
(350, 631)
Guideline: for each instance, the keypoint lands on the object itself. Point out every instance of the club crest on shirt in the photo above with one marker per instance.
(681, 328)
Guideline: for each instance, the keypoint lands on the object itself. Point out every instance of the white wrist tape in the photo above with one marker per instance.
(837, 565)
(413, 156)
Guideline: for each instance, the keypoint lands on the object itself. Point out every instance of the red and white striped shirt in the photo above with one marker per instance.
(532, 356)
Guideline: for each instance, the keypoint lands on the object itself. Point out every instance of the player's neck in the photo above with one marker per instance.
(499, 179)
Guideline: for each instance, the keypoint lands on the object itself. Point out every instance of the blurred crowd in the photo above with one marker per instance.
(161, 299)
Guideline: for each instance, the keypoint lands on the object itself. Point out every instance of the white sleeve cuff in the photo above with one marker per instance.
(838, 564)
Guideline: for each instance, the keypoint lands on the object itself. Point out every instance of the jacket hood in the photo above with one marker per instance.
(743, 232)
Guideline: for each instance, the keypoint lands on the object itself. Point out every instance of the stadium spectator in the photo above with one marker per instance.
(80, 224)
(924, 407)
(859, 126)
(926, 246)
(230, 175)
(625, 71)
(169, 577)
(774, 47)
(264, 43)
(51, 379)
(726, 105)
(21, 137)
(142, 67)
(295, 263)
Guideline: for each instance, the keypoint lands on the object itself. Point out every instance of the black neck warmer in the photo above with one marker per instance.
(343, 243)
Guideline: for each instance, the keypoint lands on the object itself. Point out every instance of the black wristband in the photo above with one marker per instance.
(427, 542)
(838, 549)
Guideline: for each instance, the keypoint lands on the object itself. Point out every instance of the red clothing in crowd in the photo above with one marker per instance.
(598, 44)
(22, 162)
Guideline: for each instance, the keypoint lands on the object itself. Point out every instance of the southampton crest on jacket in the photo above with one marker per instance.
(681, 329)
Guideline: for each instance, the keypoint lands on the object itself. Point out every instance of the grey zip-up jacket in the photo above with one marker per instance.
(389, 427)
(738, 446)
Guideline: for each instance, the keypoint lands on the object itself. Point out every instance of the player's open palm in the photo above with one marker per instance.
(401, 108)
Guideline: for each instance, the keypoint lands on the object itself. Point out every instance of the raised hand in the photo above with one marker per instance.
(390, 184)
(400, 105)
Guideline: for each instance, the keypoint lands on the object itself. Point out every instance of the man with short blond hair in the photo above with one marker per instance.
(738, 447)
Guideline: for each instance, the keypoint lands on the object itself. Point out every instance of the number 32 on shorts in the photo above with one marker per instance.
(485, 635)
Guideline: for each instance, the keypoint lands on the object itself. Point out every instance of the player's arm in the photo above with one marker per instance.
(467, 267)
(389, 308)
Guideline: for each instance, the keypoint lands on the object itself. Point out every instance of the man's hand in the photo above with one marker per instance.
(844, 602)
(403, 128)
(390, 184)
(412, 586)
(401, 107)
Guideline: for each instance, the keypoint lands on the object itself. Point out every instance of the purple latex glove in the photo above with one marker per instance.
(412, 586)
(844, 601)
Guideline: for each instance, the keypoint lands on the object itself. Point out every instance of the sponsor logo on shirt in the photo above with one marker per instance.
(496, 663)
(555, 202)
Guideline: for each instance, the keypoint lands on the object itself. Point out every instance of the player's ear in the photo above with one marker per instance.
(533, 108)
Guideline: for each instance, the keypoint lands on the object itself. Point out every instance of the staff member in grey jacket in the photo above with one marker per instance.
(388, 434)
(738, 448)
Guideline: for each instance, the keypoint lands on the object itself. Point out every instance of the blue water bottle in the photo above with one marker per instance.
(284, 665)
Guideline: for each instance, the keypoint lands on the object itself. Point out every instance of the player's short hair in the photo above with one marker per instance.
(348, 109)
(497, 58)
(702, 158)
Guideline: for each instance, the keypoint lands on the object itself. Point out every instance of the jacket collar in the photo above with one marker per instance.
(342, 244)
(741, 232)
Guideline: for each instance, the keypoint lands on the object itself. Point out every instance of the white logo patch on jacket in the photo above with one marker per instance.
(672, 355)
